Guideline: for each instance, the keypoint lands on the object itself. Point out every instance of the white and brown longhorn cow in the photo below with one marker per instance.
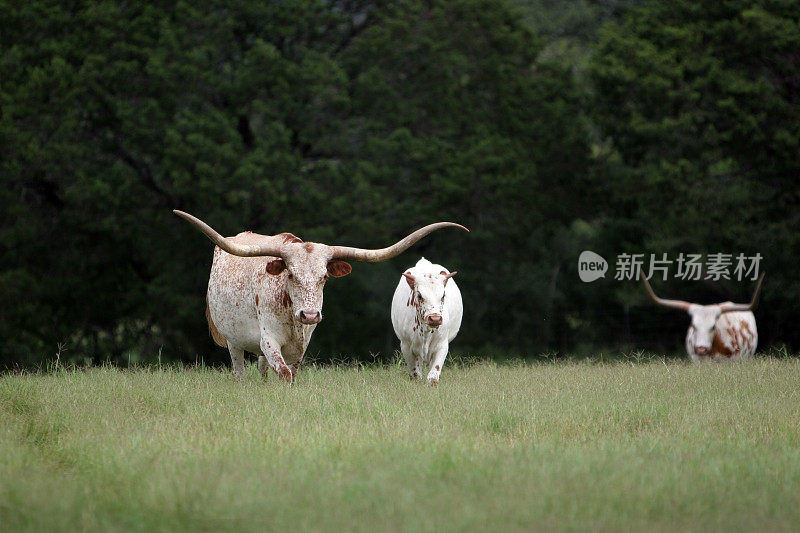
(265, 291)
(718, 332)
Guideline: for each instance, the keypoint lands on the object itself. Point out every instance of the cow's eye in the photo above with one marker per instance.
(291, 276)
(421, 299)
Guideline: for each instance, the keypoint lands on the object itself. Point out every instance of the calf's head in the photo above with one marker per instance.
(307, 265)
(427, 295)
(704, 317)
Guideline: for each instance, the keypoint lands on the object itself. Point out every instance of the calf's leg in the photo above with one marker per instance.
(439, 355)
(412, 361)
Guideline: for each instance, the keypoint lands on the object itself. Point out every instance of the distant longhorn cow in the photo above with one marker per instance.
(265, 291)
(724, 331)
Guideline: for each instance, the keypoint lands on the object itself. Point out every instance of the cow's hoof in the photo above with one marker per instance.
(285, 374)
(263, 366)
(433, 381)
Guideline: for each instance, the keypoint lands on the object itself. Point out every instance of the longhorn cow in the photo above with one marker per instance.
(724, 331)
(265, 291)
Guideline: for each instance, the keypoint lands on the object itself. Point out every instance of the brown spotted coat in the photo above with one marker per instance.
(253, 302)
(735, 337)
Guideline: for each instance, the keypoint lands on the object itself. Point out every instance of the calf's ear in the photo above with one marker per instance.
(409, 279)
(275, 267)
(337, 269)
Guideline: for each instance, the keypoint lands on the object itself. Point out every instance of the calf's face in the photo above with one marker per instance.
(703, 328)
(428, 294)
(307, 266)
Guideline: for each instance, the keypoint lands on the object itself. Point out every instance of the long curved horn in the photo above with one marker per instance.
(242, 250)
(727, 308)
(373, 256)
(675, 304)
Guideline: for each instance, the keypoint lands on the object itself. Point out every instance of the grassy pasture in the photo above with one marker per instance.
(657, 445)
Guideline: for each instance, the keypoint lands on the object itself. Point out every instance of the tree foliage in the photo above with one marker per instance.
(354, 122)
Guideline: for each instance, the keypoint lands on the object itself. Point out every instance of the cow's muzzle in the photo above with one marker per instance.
(701, 350)
(434, 320)
(308, 316)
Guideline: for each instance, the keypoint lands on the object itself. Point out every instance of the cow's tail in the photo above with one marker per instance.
(215, 334)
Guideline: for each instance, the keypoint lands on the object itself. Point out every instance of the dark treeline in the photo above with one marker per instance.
(547, 128)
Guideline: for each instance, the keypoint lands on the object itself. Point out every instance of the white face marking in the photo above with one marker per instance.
(430, 292)
(703, 328)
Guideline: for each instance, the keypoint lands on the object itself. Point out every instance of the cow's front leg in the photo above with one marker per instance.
(274, 358)
(439, 355)
(294, 367)
(412, 361)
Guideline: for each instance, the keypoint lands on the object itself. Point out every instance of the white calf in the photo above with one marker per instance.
(426, 315)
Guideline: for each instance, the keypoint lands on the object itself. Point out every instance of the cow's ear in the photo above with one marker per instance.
(409, 279)
(337, 269)
(275, 267)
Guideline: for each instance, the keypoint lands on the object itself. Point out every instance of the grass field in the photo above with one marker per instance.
(659, 445)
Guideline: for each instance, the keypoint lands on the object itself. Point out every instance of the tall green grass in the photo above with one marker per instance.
(658, 445)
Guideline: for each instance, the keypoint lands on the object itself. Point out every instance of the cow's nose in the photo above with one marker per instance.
(308, 316)
(434, 320)
(701, 350)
